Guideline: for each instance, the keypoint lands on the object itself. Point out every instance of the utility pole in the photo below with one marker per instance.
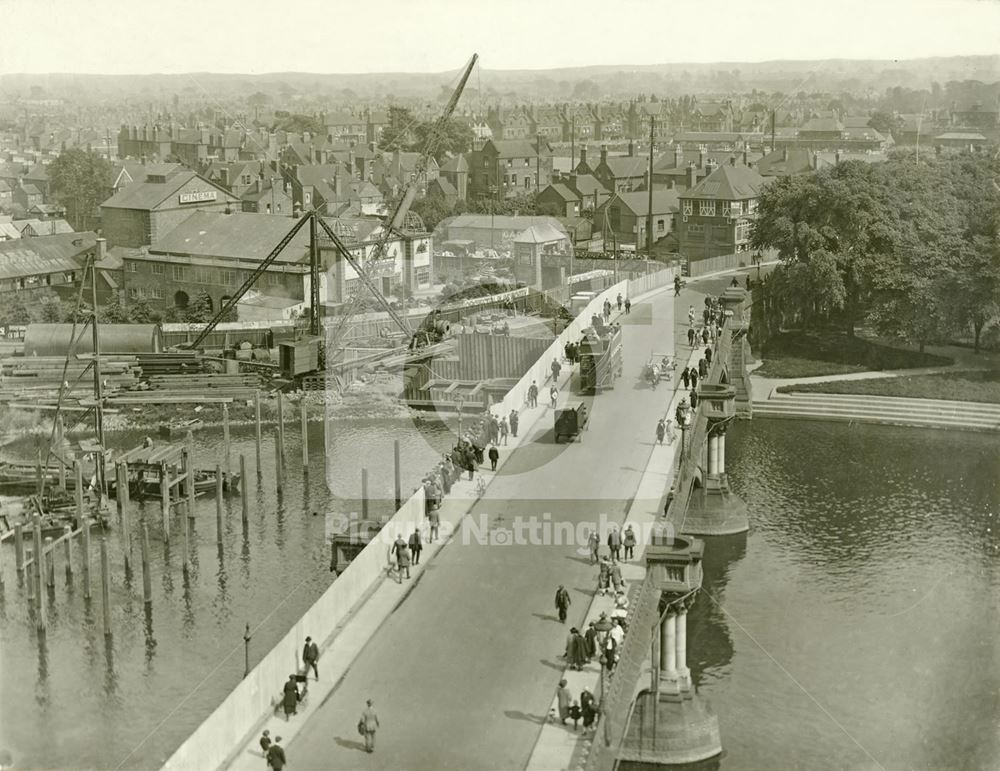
(572, 144)
(772, 131)
(98, 385)
(649, 220)
(313, 276)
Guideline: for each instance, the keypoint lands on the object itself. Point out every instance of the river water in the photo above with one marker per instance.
(856, 625)
(73, 702)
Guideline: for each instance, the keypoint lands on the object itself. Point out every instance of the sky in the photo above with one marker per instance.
(337, 36)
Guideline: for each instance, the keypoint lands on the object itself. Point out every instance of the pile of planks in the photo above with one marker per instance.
(40, 377)
(171, 363)
(240, 386)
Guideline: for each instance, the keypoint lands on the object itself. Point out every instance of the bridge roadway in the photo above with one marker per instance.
(463, 671)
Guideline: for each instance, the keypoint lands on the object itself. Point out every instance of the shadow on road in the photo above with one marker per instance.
(349, 744)
(546, 617)
(553, 665)
(515, 715)
(584, 560)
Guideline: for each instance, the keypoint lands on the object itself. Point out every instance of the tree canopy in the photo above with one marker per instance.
(80, 182)
(908, 246)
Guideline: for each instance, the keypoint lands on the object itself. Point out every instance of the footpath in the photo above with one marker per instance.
(563, 746)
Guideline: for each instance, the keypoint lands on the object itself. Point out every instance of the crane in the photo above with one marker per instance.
(394, 226)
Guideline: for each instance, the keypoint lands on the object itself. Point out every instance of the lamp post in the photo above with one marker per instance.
(758, 258)
(246, 651)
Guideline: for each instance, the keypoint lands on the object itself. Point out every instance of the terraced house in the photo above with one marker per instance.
(716, 213)
(507, 168)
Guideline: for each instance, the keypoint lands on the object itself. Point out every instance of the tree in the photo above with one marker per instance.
(397, 134)
(297, 123)
(884, 123)
(115, 312)
(200, 309)
(80, 182)
(452, 137)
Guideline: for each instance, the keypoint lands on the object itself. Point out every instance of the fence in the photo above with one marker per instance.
(722, 262)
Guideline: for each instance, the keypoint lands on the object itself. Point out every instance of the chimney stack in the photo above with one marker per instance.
(702, 155)
(692, 175)
(631, 149)
(102, 248)
(583, 155)
(572, 181)
(604, 153)
(678, 156)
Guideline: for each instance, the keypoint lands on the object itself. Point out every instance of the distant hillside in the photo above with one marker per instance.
(836, 75)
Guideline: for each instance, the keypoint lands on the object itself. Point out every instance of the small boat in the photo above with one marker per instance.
(204, 483)
(178, 428)
(22, 478)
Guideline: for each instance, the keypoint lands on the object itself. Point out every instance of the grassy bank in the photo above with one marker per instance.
(818, 353)
(960, 386)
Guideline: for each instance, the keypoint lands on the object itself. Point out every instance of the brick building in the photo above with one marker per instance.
(716, 214)
(143, 212)
(509, 168)
(625, 216)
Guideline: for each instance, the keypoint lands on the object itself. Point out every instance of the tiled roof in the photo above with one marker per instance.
(856, 121)
(562, 191)
(30, 190)
(664, 201)
(961, 135)
(825, 125)
(864, 133)
(775, 164)
(623, 166)
(38, 172)
(728, 183)
(444, 186)
(586, 184)
(235, 236)
(149, 195)
(504, 222)
(455, 164)
(519, 148)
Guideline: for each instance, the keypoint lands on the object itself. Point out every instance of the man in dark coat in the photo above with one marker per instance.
(694, 398)
(310, 656)
(576, 650)
(470, 461)
(703, 368)
(416, 545)
(562, 603)
(276, 755)
(533, 394)
(694, 377)
(590, 639)
(494, 457)
(628, 306)
(691, 337)
(588, 708)
(513, 422)
(290, 697)
(708, 354)
(685, 377)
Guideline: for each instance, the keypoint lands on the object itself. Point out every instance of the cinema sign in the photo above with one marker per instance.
(200, 197)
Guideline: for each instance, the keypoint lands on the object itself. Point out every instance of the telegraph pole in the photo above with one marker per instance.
(649, 220)
(313, 276)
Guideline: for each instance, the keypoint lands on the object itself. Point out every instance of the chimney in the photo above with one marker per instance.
(631, 149)
(710, 166)
(583, 155)
(306, 137)
(224, 177)
(692, 175)
(702, 155)
(350, 162)
(678, 156)
(572, 181)
(102, 248)
(815, 160)
(604, 153)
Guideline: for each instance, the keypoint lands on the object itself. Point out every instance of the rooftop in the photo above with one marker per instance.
(44, 254)
(728, 183)
(148, 195)
(237, 236)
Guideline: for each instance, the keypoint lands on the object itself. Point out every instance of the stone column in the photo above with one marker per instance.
(668, 646)
(713, 455)
(683, 673)
(721, 445)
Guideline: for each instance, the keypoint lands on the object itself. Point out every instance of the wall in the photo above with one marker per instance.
(723, 262)
(256, 695)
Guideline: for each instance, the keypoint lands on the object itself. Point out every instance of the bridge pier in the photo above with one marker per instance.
(670, 723)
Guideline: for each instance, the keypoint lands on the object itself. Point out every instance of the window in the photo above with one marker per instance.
(726, 209)
(688, 208)
(177, 272)
(527, 182)
(737, 208)
(742, 231)
(751, 206)
(721, 232)
(227, 277)
(706, 208)
(527, 161)
(696, 230)
(660, 226)
(510, 162)
(133, 293)
(513, 179)
(307, 198)
(159, 269)
(156, 293)
(131, 267)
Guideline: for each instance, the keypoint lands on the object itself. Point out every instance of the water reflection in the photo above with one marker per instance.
(110, 674)
(150, 640)
(42, 683)
(712, 650)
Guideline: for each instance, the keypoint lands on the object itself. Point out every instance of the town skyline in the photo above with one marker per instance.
(780, 30)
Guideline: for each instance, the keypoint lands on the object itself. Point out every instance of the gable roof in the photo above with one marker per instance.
(540, 234)
(38, 172)
(44, 254)
(237, 236)
(518, 148)
(148, 195)
(728, 183)
(562, 191)
(456, 164)
(587, 184)
(798, 161)
(504, 222)
(622, 166)
(856, 121)
(447, 189)
(826, 125)
(30, 190)
(664, 201)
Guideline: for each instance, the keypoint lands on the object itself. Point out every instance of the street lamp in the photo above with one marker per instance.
(757, 259)
(246, 651)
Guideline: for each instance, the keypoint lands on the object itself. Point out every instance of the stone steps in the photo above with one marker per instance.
(882, 409)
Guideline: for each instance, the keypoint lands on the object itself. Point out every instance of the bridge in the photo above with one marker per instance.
(463, 661)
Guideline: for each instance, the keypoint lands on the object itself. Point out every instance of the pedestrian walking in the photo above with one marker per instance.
(276, 755)
(594, 545)
(416, 545)
(704, 336)
(576, 649)
(708, 354)
(685, 377)
(532, 395)
(604, 576)
(628, 541)
(661, 431)
(690, 337)
(590, 638)
(514, 420)
(265, 744)
(494, 428)
(619, 301)
(504, 430)
(628, 306)
(368, 724)
(706, 314)
(290, 697)
(616, 577)
(554, 396)
(563, 699)
(694, 377)
(556, 369)
(562, 603)
(691, 316)
(654, 375)
(694, 399)
(615, 543)
(310, 657)
(494, 457)
(703, 368)
(575, 714)
(402, 552)
(434, 519)
(677, 286)
(588, 709)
